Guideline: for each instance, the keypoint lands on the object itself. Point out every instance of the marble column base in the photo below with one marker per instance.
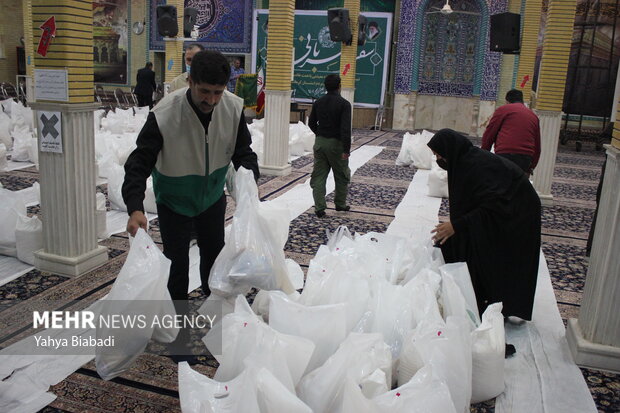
(275, 170)
(591, 355)
(545, 200)
(70, 266)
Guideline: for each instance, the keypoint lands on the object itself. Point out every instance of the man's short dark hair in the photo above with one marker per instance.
(149, 65)
(514, 96)
(210, 66)
(332, 82)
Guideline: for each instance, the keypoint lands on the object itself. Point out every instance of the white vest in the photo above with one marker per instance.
(184, 139)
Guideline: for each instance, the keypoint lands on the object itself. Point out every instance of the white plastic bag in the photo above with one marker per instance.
(245, 338)
(437, 182)
(424, 393)
(447, 349)
(139, 289)
(11, 207)
(28, 238)
(359, 356)
(487, 350)
(255, 390)
(421, 154)
(252, 255)
(457, 293)
(324, 325)
(404, 156)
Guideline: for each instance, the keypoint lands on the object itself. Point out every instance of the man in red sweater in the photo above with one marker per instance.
(515, 131)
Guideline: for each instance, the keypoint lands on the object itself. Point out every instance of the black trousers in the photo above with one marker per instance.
(144, 100)
(176, 231)
(522, 161)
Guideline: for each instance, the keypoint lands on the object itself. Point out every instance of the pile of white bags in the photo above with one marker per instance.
(11, 208)
(17, 132)
(300, 138)
(139, 289)
(382, 325)
(414, 150)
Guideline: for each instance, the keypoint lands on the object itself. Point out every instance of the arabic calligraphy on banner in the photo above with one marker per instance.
(316, 55)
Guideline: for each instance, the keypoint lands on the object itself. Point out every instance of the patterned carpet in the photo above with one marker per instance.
(376, 189)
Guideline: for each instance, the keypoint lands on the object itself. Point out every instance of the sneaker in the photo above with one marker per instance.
(320, 213)
(344, 208)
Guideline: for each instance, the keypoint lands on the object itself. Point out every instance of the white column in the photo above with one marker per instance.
(277, 120)
(594, 339)
(614, 108)
(68, 187)
(550, 122)
(349, 93)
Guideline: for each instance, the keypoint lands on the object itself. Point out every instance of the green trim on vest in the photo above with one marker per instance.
(189, 195)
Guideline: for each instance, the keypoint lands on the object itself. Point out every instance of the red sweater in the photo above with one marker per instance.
(513, 129)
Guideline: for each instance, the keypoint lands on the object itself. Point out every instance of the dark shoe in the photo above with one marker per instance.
(320, 213)
(510, 350)
(189, 358)
(344, 208)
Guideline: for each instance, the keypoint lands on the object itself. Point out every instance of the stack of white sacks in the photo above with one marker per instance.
(382, 325)
(18, 135)
(300, 138)
(20, 235)
(414, 152)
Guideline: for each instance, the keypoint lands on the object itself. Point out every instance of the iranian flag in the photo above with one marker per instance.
(260, 86)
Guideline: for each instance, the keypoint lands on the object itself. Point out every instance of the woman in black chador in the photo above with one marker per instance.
(494, 223)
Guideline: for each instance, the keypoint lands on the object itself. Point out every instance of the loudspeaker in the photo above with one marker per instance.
(167, 21)
(338, 21)
(362, 24)
(505, 36)
(189, 20)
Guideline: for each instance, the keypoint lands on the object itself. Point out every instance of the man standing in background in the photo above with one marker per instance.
(145, 85)
(515, 131)
(235, 71)
(182, 79)
(330, 121)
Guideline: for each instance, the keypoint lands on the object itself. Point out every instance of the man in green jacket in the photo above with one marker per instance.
(186, 144)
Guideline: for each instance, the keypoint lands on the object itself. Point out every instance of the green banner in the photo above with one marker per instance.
(316, 55)
(246, 89)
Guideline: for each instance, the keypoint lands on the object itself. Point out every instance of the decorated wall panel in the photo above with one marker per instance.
(222, 25)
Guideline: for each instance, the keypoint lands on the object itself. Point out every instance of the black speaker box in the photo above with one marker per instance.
(339, 25)
(505, 33)
(189, 20)
(362, 24)
(167, 21)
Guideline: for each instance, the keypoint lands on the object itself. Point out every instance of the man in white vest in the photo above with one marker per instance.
(186, 145)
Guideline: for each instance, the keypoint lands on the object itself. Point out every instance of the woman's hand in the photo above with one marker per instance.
(442, 232)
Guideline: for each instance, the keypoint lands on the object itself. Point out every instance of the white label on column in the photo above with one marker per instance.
(51, 84)
(50, 137)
